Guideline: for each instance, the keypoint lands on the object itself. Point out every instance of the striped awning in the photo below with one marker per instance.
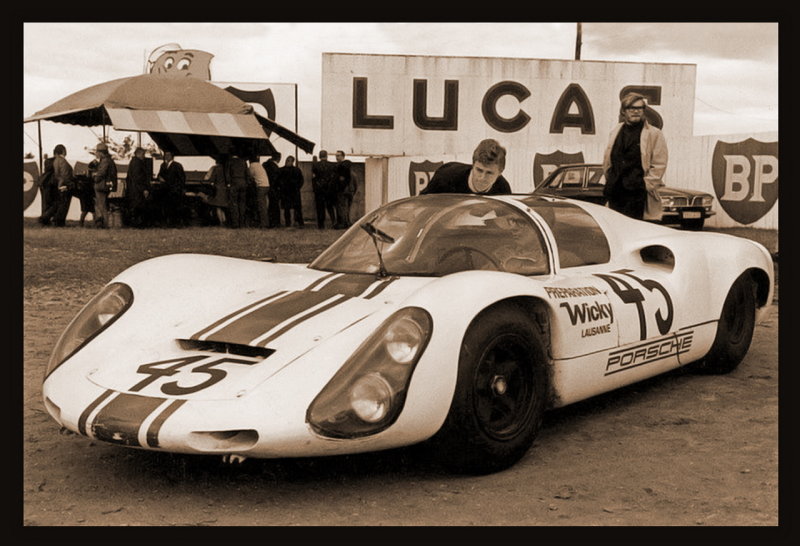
(189, 123)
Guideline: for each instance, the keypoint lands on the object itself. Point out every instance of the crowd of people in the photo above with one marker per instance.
(236, 192)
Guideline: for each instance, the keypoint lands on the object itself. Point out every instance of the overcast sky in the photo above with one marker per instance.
(737, 63)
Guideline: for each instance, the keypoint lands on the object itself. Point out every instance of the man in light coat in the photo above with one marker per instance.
(635, 159)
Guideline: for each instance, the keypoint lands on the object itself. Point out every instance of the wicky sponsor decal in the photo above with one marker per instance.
(745, 177)
(588, 312)
(646, 353)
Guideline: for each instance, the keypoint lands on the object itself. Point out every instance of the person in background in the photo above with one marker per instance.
(323, 182)
(291, 180)
(273, 170)
(635, 159)
(137, 190)
(484, 176)
(64, 184)
(172, 178)
(47, 188)
(346, 189)
(218, 200)
(236, 179)
(262, 182)
(105, 182)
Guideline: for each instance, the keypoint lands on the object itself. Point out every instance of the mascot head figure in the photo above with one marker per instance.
(173, 60)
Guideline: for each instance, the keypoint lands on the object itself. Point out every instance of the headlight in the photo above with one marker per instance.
(95, 317)
(707, 200)
(667, 202)
(368, 392)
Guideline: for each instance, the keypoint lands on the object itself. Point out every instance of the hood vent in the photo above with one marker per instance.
(238, 349)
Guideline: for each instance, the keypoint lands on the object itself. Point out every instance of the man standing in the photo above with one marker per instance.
(346, 189)
(323, 181)
(273, 172)
(173, 182)
(105, 182)
(262, 182)
(137, 189)
(63, 184)
(635, 159)
(291, 182)
(236, 175)
(484, 176)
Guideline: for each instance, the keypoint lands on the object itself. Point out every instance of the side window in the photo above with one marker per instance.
(596, 177)
(579, 238)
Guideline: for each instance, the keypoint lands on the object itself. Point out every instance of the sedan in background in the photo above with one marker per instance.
(585, 181)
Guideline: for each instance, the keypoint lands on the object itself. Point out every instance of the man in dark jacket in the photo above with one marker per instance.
(105, 182)
(274, 193)
(137, 189)
(291, 180)
(482, 177)
(172, 178)
(346, 190)
(323, 182)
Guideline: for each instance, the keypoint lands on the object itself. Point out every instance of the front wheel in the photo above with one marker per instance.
(735, 329)
(500, 394)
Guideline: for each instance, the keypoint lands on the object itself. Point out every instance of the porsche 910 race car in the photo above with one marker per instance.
(450, 321)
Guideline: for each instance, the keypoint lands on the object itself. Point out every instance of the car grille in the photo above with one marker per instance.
(688, 201)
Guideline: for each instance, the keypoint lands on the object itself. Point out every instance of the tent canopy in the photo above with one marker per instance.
(186, 116)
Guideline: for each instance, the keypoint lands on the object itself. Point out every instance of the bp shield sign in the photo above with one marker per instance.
(419, 174)
(745, 178)
(544, 164)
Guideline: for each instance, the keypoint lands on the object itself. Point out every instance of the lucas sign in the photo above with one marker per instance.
(395, 105)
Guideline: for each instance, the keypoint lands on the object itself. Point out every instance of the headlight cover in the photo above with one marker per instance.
(366, 395)
(97, 315)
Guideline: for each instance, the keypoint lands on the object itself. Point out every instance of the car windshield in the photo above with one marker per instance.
(435, 235)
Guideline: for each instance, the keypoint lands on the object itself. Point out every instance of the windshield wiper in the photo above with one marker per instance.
(378, 235)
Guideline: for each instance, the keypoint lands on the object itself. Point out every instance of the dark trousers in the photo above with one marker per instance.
(237, 193)
(344, 204)
(274, 208)
(263, 206)
(57, 209)
(629, 203)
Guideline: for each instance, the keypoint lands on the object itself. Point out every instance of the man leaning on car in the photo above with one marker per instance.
(482, 177)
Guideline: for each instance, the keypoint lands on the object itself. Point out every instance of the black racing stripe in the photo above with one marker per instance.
(256, 323)
(319, 281)
(88, 411)
(304, 318)
(231, 315)
(119, 421)
(263, 319)
(155, 426)
(380, 288)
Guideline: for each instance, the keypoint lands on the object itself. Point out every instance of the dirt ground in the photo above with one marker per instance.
(678, 450)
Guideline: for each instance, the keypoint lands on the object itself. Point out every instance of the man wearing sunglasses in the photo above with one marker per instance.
(634, 161)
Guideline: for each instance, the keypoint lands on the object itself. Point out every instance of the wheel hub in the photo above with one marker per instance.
(499, 385)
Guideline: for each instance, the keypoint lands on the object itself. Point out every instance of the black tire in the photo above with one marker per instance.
(694, 224)
(735, 329)
(500, 394)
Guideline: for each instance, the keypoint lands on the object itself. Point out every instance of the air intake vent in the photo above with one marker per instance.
(224, 347)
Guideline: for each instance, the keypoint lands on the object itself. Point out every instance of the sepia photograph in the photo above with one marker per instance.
(467, 276)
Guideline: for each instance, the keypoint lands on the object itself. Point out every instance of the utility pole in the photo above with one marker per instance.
(578, 43)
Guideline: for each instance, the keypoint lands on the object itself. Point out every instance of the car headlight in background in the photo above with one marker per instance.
(707, 200)
(95, 317)
(667, 202)
(368, 392)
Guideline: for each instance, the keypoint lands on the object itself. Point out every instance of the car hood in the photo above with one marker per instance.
(257, 317)
(667, 191)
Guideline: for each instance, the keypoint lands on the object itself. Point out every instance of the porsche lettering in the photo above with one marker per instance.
(630, 358)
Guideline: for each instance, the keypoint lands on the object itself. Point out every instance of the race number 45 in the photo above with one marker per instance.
(619, 281)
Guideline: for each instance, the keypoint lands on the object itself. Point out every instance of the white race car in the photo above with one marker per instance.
(454, 320)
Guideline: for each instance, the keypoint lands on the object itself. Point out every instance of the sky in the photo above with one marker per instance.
(737, 62)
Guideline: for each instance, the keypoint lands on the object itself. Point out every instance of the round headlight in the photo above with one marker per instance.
(371, 398)
(403, 339)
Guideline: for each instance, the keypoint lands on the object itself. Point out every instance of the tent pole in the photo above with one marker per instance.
(39, 129)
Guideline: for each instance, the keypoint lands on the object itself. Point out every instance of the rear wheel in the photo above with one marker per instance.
(735, 329)
(500, 394)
